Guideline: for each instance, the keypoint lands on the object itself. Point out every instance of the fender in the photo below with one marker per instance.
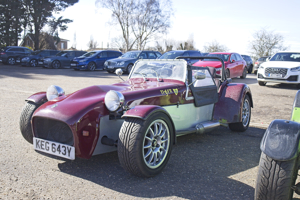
(231, 96)
(145, 111)
(296, 108)
(281, 140)
(38, 98)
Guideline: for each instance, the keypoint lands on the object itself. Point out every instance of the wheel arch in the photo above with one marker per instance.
(231, 96)
(145, 111)
(281, 140)
(38, 98)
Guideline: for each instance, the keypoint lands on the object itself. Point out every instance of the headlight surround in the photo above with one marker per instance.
(54, 91)
(113, 100)
(295, 69)
(121, 63)
(26, 58)
(84, 60)
(219, 69)
(260, 67)
(47, 60)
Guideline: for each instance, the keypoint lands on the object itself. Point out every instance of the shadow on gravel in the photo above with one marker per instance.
(19, 71)
(199, 168)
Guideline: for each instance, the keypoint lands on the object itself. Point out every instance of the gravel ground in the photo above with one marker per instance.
(218, 165)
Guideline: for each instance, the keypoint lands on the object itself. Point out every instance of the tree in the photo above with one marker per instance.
(11, 18)
(215, 46)
(39, 12)
(186, 45)
(47, 41)
(266, 43)
(92, 44)
(139, 20)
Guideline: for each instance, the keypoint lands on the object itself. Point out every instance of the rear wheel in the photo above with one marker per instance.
(11, 61)
(56, 64)
(244, 73)
(262, 83)
(246, 116)
(275, 179)
(144, 147)
(91, 66)
(25, 120)
(33, 63)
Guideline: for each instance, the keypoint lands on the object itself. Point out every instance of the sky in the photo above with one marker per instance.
(230, 23)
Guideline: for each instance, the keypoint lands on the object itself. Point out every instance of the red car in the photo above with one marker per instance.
(235, 65)
(140, 117)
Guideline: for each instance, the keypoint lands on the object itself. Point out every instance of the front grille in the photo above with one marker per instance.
(273, 70)
(53, 130)
(110, 63)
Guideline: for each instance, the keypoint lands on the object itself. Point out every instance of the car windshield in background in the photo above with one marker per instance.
(262, 59)
(293, 57)
(60, 53)
(162, 69)
(36, 52)
(89, 54)
(134, 54)
(224, 57)
(171, 55)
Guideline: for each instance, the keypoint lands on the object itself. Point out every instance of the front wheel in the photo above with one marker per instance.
(25, 120)
(56, 64)
(129, 67)
(144, 147)
(275, 179)
(246, 116)
(33, 63)
(91, 66)
(227, 73)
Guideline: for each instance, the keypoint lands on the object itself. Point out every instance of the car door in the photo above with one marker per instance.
(70, 56)
(232, 65)
(101, 58)
(240, 64)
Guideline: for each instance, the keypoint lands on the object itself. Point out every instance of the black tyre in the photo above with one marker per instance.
(56, 64)
(110, 71)
(244, 73)
(91, 66)
(227, 73)
(25, 120)
(129, 67)
(33, 63)
(76, 69)
(262, 83)
(275, 179)
(250, 69)
(144, 147)
(11, 61)
(246, 116)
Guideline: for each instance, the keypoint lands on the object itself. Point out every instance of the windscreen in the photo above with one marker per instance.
(132, 54)
(36, 52)
(173, 69)
(293, 57)
(171, 55)
(61, 53)
(224, 57)
(89, 54)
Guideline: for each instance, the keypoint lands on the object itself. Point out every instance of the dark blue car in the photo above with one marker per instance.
(126, 61)
(32, 59)
(94, 59)
(188, 53)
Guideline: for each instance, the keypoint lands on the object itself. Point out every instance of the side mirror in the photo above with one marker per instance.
(119, 72)
(233, 61)
(199, 75)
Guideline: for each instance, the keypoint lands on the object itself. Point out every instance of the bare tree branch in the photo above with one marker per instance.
(215, 46)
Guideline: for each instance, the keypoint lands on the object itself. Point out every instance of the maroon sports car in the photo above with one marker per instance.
(140, 117)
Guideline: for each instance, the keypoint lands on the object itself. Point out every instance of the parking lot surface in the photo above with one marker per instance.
(217, 165)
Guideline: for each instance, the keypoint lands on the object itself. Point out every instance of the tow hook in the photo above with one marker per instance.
(296, 188)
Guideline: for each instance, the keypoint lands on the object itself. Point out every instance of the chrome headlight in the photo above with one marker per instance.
(295, 69)
(53, 92)
(113, 100)
(26, 58)
(84, 60)
(219, 69)
(261, 67)
(121, 63)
